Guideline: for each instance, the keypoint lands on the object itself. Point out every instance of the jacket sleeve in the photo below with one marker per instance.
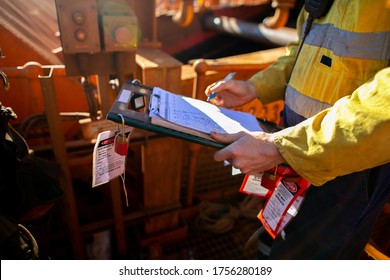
(351, 136)
(271, 82)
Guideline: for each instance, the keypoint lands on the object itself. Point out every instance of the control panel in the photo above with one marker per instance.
(93, 26)
(78, 26)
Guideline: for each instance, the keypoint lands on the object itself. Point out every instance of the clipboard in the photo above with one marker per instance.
(133, 102)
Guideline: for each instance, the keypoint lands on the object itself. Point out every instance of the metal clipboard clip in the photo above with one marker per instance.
(132, 102)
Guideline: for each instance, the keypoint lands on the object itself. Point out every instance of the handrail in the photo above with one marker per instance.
(185, 14)
(282, 12)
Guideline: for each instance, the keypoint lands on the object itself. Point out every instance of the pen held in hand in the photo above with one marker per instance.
(227, 78)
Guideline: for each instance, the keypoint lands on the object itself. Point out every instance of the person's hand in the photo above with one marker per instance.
(251, 153)
(231, 93)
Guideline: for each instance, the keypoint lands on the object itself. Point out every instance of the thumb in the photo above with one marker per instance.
(219, 86)
(225, 137)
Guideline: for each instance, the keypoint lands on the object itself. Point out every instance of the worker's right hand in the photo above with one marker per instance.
(231, 93)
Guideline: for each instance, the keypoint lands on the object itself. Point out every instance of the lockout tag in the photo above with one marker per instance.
(107, 164)
(252, 186)
(283, 205)
(263, 184)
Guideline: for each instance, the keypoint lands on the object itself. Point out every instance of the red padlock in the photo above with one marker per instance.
(270, 179)
(120, 144)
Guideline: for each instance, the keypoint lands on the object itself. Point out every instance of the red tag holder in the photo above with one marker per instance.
(283, 190)
(283, 204)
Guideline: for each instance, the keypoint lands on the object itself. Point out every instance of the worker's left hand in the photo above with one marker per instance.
(251, 153)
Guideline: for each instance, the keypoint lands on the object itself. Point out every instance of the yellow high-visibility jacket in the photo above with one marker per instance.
(341, 84)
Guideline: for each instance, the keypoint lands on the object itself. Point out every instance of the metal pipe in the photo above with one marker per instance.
(249, 30)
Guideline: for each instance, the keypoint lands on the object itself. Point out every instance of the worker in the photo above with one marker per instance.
(335, 83)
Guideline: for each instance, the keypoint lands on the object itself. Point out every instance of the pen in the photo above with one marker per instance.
(227, 78)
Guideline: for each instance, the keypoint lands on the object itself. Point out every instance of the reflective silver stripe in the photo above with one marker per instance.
(303, 105)
(373, 45)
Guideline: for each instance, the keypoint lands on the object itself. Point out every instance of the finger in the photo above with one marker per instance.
(217, 100)
(218, 86)
(208, 90)
(223, 155)
(225, 137)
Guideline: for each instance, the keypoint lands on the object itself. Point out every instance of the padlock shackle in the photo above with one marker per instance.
(123, 125)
